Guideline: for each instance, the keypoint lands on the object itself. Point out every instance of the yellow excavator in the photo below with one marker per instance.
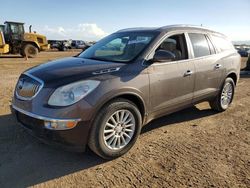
(14, 40)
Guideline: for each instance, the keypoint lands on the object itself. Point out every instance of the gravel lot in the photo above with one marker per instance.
(195, 147)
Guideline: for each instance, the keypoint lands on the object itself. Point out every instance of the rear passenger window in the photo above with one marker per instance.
(221, 43)
(200, 45)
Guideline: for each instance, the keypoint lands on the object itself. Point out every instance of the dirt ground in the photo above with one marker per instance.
(192, 148)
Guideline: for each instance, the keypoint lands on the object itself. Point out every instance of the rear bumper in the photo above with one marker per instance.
(74, 139)
(45, 47)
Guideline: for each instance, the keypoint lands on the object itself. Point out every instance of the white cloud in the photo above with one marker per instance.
(60, 31)
(84, 31)
(91, 29)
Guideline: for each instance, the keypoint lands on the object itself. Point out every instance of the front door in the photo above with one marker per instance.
(172, 82)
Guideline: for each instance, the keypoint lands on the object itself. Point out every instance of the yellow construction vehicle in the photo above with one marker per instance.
(14, 40)
(4, 48)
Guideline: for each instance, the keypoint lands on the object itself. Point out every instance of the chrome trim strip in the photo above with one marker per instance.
(108, 70)
(42, 117)
(40, 87)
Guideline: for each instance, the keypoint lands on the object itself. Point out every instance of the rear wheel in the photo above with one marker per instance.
(224, 97)
(29, 50)
(115, 129)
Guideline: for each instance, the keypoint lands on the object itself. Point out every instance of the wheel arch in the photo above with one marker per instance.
(233, 75)
(133, 97)
(32, 43)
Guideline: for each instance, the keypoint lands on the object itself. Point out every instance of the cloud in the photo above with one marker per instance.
(84, 31)
(91, 29)
(60, 31)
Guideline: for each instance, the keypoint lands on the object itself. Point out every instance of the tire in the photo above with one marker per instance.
(107, 145)
(225, 97)
(30, 50)
(63, 49)
(22, 53)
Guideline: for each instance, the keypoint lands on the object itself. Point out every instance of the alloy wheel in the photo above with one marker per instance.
(227, 94)
(119, 129)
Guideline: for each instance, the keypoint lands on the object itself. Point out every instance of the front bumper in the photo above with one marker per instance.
(74, 139)
(45, 47)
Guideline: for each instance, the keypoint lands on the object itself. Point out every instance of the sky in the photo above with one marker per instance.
(92, 20)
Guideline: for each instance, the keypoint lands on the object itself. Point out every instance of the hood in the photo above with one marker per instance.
(70, 69)
(33, 36)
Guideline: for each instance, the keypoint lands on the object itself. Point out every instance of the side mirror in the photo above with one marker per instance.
(163, 56)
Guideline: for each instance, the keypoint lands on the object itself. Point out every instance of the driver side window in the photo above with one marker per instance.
(175, 44)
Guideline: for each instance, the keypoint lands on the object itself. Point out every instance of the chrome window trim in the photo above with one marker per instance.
(40, 87)
(189, 48)
(42, 117)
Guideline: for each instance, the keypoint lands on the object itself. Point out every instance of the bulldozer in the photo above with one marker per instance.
(14, 40)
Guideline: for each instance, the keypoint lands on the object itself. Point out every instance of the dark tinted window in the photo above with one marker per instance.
(221, 43)
(200, 45)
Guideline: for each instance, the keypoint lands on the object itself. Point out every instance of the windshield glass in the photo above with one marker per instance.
(119, 47)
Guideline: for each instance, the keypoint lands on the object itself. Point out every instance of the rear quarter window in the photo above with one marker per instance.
(222, 43)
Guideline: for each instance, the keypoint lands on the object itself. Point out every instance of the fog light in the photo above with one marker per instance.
(60, 125)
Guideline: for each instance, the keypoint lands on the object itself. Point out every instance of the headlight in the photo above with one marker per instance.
(72, 93)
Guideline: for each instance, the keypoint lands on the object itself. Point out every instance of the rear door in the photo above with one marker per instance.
(208, 67)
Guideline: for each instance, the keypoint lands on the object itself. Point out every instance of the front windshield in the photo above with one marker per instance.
(119, 47)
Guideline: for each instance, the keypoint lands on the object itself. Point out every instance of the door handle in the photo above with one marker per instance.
(217, 66)
(188, 73)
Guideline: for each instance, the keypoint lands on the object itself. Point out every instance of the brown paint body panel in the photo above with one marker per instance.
(161, 87)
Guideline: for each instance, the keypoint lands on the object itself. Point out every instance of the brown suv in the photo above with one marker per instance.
(102, 97)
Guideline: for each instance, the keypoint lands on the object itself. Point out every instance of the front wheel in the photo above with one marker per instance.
(224, 97)
(29, 50)
(115, 129)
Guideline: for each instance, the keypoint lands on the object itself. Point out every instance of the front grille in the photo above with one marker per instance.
(39, 40)
(27, 87)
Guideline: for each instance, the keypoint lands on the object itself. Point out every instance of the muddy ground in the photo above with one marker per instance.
(192, 148)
